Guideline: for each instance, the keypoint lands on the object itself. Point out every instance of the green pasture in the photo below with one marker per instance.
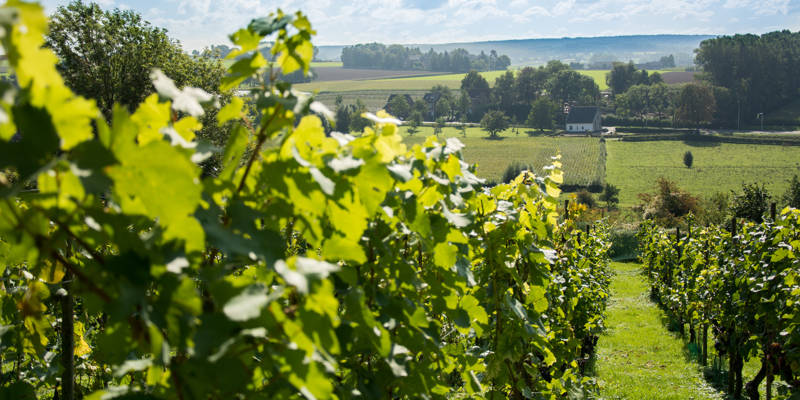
(598, 76)
(635, 166)
(326, 64)
(374, 99)
(396, 84)
(579, 155)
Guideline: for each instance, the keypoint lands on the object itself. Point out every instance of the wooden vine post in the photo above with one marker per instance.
(67, 340)
(773, 211)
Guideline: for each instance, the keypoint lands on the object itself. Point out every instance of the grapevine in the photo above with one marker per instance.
(742, 285)
(322, 267)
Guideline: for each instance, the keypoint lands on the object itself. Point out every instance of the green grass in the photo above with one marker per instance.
(638, 357)
(579, 154)
(635, 166)
(397, 84)
(598, 76)
(374, 99)
(326, 64)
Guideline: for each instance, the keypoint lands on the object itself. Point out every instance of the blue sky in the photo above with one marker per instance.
(199, 23)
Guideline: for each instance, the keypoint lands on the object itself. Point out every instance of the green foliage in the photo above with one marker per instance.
(740, 289)
(752, 204)
(542, 114)
(586, 198)
(610, 195)
(443, 108)
(494, 122)
(314, 268)
(695, 104)
(715, 209)
(400, 106)
(514, 170)
(688, 159)
(474, 80)
(791, 198)
(758, 70)
(668, 205)
(415, 120)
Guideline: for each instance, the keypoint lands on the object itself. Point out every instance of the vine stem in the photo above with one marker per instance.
(78, 273)
(261, 139)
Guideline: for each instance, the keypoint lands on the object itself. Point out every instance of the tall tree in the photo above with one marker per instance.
(464, 102)
(504, 90)
(474, 80)
(443, 108)
(621, 77)
(108, 56)
(400, 106)
(695, 104)
(530, 82)
(494, 121)
(542, 115)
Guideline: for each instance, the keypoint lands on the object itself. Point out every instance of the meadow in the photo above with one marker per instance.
(718, 167)
(423, 82)
(580, 156)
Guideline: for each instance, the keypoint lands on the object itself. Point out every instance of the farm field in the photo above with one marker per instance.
(634, 167)
(374, 99)
(329, 74)
(580, 156)
(598, 76)
(403, 81)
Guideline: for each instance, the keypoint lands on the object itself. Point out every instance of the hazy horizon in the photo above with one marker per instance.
(201, 23)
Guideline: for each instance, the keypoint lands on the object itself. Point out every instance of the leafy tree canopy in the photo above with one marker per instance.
(494, 121)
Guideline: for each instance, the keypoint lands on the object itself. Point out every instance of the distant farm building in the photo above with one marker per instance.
(478, 99)
(582, 119)
(431, 99)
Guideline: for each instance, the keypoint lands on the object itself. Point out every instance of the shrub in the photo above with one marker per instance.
(610, 195)
(791, 197)
(688, 159)
(585, 197)
(513, 170)
(668, 205)
(715, 209)
(751, 204)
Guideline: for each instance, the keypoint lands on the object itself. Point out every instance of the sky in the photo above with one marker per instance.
(201, 23)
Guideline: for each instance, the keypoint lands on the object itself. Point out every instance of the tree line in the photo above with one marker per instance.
(759, 71)
(378, 55)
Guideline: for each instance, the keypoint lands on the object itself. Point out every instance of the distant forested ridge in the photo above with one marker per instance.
(377, 55)
(762, 72)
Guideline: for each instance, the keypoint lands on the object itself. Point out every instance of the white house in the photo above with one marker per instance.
(582, 119)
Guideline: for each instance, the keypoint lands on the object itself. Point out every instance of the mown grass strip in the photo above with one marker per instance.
(637, 357)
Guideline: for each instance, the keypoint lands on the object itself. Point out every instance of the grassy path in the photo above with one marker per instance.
(638, 358)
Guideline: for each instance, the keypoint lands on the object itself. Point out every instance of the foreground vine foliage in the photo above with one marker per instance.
(321, 267)
(745, 287)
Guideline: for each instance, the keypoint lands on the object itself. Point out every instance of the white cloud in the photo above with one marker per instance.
(563, 7)
(772, 7)
(104, 3)
(736, 3)
(518, 3)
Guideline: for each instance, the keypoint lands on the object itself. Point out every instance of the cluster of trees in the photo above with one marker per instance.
(377, 55)
(622, 76)
(556, 80)
(759, 71)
